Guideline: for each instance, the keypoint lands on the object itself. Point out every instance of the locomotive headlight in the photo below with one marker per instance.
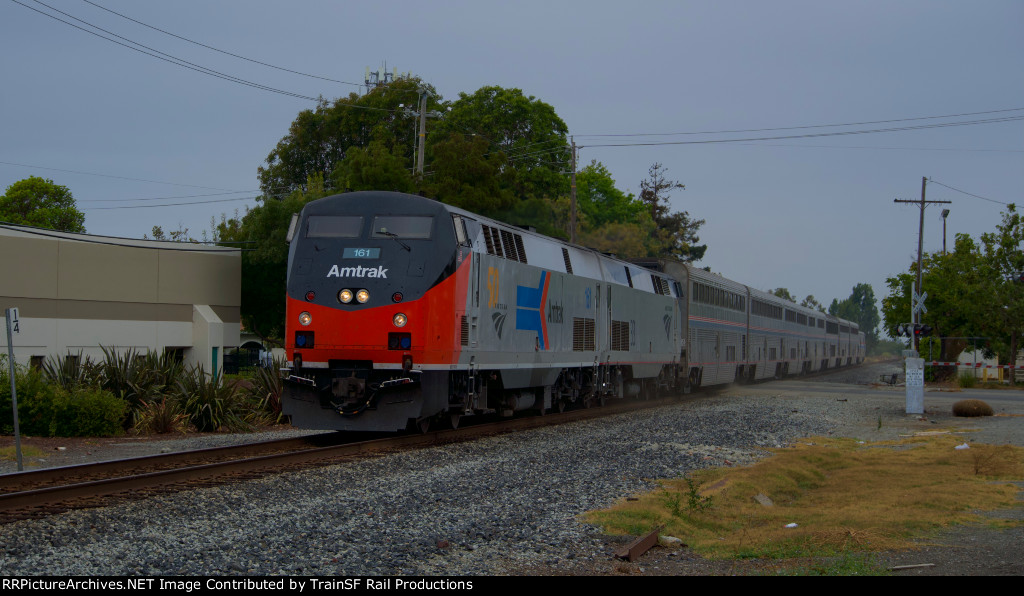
(305, 319)
(362, 296)
(399, 319)
(345, 296)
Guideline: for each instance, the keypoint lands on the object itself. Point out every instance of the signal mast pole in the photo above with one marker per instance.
(915, 313)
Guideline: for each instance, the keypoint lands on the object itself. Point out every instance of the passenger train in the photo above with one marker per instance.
(404, 312)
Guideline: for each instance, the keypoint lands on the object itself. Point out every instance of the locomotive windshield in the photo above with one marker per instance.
(403, 226)
(333, 226)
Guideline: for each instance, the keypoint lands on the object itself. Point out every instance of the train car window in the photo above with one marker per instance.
(415, 227)
(334, 226)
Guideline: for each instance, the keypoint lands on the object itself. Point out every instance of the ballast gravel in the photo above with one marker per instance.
(490, 506)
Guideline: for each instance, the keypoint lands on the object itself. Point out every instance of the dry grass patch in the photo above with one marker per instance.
(9, 453)
(844, 496)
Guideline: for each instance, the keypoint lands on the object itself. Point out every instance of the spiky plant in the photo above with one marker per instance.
(211, 404)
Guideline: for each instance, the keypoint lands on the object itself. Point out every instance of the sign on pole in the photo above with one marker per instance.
(915, 385)
(13, 326)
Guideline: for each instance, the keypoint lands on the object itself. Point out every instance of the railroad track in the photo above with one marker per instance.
(39, 493)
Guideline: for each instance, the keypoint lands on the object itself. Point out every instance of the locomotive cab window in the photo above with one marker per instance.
(333, 226)
(415, 227)
(460, 230)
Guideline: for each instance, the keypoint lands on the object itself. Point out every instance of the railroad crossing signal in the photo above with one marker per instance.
(919, 302)
(913, 330)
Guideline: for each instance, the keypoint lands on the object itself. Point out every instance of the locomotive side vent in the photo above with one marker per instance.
(520, 248)
(465, 331)
(583, 335)
(568, 263)
(620, 336)
(509, 244)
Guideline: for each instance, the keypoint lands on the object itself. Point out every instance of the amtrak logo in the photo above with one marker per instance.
(498, 319)
(379, 272)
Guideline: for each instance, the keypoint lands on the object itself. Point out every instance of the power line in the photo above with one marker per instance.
(933, 181)
(816, 135)
(143, 49)
(221, 51)
(881, 148)
(807, 126)
(213, 194)
(23, 165)
(169, 204)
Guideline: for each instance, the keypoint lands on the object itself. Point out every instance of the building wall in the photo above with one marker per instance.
(76, 293)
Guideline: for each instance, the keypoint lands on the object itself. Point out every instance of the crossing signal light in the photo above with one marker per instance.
(922, 330)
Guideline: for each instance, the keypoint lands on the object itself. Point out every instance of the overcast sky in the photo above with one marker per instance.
(815, 214)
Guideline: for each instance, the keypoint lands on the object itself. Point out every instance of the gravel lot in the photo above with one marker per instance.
(503, 505)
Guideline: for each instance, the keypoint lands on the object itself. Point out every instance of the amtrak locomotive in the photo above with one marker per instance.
(403, 312)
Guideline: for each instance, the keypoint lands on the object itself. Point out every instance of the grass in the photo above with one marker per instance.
(847, 499)
(8, 453)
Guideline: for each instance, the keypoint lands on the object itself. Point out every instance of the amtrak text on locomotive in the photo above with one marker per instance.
(359, 271)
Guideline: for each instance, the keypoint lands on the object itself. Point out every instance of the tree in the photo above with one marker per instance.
(860, 308)
(811, 302)
(467, 175)
(527, 131)
(600, 202)
(782, 293)
(1004, 252)
(39, 202)
(973, 291)
(319, 138)
(676, 232)
(374, 167)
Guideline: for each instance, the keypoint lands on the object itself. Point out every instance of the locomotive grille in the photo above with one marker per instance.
(465, 331)
(583, 335)
(620, 336)
(568, 263)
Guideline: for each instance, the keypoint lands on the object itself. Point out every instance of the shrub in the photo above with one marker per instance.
(266, 389)
(164, 416)
(211, 404)
(972, 407)
(35, 402)
(87, 412)
(967, 380)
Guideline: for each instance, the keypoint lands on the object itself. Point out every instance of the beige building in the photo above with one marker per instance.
(76, 293)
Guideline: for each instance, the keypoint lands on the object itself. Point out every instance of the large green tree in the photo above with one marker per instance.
(319, 138)
(39, 202)
(526, 130)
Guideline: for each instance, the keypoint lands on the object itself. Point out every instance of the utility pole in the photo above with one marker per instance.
(422, 143)
(572, 195)
(915, 313)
